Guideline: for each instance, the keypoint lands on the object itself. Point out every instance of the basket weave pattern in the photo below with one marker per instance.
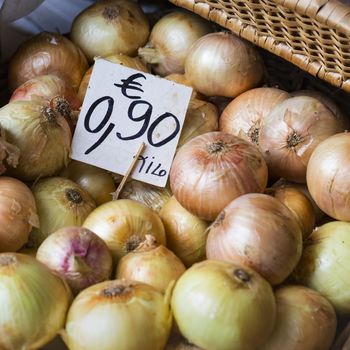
(312, 34)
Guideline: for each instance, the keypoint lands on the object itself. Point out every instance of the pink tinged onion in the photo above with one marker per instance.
(212, 169)
(291, 132)
(258, 231)
(328, 176)
(77, 255)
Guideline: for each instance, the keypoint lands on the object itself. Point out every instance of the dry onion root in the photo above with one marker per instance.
(9, 154)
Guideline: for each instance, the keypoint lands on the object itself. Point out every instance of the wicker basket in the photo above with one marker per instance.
(312, 34)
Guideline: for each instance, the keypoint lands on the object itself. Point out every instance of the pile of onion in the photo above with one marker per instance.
(219, 305)
(171, 39)
(222, 64)
(47, 53)
(110, 26)
(258, 231)
(127, 314)
(212, 169)
(9, 154)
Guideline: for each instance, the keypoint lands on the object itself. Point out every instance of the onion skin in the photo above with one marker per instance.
(131, 315)
(222, 64)
(323, 265)
(18, 214)
(186, 234)
(42, 136)
(327, 176)
(181, 79)
(170, 41)
(109, 27)
(78, 256)
(123, 224)
(35, 302)
(212, 169)
(305, 321)
(222, 306)
(47, 53)
(244, 115)
(291, 132)
(258, 231)
(9, 154)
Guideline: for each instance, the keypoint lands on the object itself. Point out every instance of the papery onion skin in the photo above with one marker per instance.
(109, 27)
(60, 203)
(244, 115)
(299, 204)
(305, 321)
(186, 234)
(78, 255)
(222, 306)
(42, 136)
(96, 181)
(328, 176)
(34, 302)
(324, 264)
(124, 60)
(9, 154)
(47, 53)
(291, 132)
(212, 169)
(151, 264)
(258, 231)
(127, 314)
(123, 224)
(171, 39)
(222, 64)
(18, 214)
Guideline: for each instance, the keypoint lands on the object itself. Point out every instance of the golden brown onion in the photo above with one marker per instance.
(222, 64)
(291, 132)
(108, 27)
(47, 53)
(244, 115)
(328, 176)
(258, 231)
(305, 320)
(171, 39)
(186, 233)
(212, 169)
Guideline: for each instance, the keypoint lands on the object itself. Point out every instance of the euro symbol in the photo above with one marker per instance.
(131, 84)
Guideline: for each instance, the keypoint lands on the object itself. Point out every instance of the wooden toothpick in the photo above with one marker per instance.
(131, 168)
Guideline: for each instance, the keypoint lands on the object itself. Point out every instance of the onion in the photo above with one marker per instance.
(152, 264)
(34, 302)
(212, 169)
(123, 224)
(201, 117)
(110, 26)
(42, 136)
(124, 60)
(244, 115)
(181, 79)
(96, 181)
(18, 214)
(171, 39)
(47, 53)
(222, 306)
(292, 131)
(324, 264)
(258, 231)
(222, 64)
(9, 154)
(152, 196)
(299, 204)
(305, 320)
(327, 176)
(77, 255)
(124, 314)
(60, 202)
(186, 234)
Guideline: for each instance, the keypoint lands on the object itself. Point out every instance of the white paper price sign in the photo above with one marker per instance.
(123, 108)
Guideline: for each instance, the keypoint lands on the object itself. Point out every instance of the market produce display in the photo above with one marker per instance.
(245, 248)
